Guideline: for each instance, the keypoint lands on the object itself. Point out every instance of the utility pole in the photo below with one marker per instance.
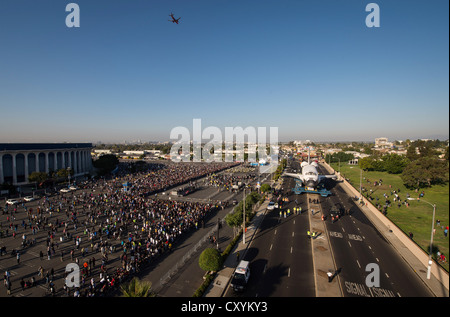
(430, 261)
(360, 185)
(243, 217)
(218, 229)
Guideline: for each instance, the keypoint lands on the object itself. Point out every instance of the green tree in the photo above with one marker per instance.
(366, 163)
(425, 172)
(210, 260)
(234, 220)
(265, 188)
(106, 163)
(394, 163)
(137, 288)
(64, 173)
(37, 177)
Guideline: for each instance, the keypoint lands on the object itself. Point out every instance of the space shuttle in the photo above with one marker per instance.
(309, 176)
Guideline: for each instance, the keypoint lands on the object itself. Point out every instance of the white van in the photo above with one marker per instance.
(241, 276)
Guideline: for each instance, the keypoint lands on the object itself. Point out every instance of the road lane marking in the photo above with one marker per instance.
(335, 234)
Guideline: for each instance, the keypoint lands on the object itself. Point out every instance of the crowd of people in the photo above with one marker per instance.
(119, 230)
(228, 181)
(159, 177)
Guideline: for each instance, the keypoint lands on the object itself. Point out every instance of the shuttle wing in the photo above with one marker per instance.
(323, 177)
(294, 175)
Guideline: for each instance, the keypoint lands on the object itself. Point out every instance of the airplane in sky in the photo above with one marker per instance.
(173, 19)
(309, 176)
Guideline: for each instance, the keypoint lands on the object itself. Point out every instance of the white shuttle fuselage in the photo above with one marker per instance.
(309, 176)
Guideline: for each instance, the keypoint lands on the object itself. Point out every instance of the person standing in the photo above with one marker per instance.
(8, 287)
(330, 276)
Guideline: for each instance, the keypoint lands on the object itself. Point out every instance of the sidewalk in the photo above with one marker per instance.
(323, 259)
(219, 285)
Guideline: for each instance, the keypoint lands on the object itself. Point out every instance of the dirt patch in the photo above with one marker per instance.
(321, 248)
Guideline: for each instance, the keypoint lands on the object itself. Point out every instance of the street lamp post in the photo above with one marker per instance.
(339, 168)
(360, 185)
(243, 217)
(431, 239)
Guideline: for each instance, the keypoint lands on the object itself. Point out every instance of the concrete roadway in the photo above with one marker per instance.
(356, 243)
(282, 261)
(281, 254)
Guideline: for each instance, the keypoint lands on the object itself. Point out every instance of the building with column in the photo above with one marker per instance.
(19, 160)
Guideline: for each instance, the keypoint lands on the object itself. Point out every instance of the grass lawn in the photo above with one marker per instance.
(416, 218)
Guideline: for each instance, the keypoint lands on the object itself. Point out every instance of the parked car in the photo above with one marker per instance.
(271, 206)
(28, 198)
(64, 190)
(12, 202)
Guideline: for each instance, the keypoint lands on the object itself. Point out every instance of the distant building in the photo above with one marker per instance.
(136, 153)
(357, 154)
(383, 143)
(19, 160)
(100, 152)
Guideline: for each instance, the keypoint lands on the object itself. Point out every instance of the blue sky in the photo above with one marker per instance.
(311, 68)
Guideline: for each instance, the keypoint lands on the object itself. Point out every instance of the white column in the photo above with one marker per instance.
(26, 167)
(69, 155)
(75, 163)
(14, 168)
(2, 179)
(36, 161)
(46, 162)
(63, 158)
(83, 162)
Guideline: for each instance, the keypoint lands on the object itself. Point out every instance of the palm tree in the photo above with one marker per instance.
(137, 288)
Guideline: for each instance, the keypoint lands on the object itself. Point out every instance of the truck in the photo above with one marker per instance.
(241, 276)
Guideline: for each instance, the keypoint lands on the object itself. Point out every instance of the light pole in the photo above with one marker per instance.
(218, 229)
(243, 217)
(360, 185)
(339, 168)
(432, 233)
